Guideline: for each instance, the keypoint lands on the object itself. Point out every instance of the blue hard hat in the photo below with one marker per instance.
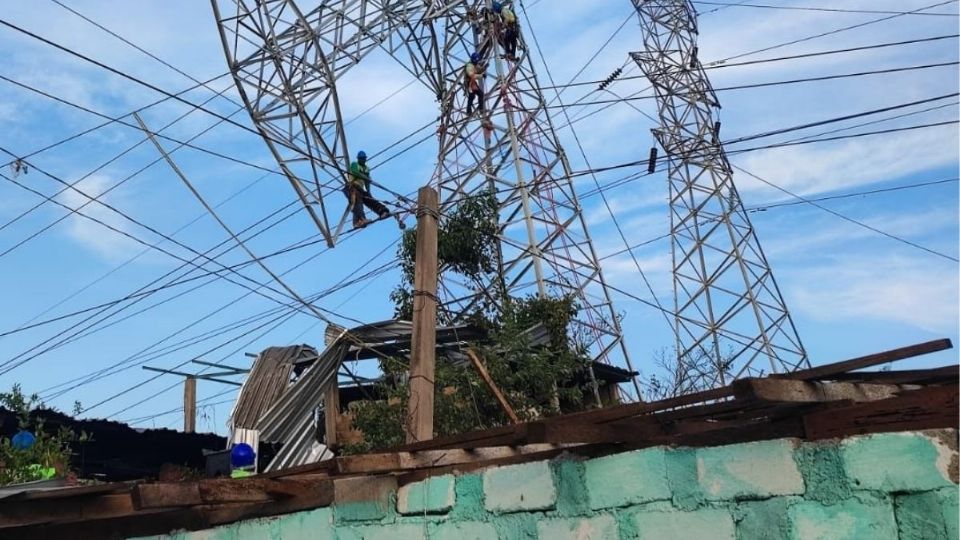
(242, 455)
(361, 155)
(497, 7)
(475, 58)
(23, 440)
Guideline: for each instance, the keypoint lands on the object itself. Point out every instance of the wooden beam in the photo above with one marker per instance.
(928, 408)
(408, 461)
(189, 404)
(786, 390)
(482, 370)
(903, 376)
(869, 360)
(331, 412)
(423, 349)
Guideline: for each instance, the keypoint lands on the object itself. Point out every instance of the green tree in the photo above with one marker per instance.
(535, 377)
(49, 450)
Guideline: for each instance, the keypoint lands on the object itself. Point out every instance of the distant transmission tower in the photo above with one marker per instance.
(286, 57)
(729, 312)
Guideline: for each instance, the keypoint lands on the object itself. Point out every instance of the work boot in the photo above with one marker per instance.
(360, 223)
(385, 214)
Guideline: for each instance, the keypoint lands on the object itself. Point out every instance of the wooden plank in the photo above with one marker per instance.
(787, 390)
(869, 360)
(424, 337)
(331, 413)
(166, 495)
(35, 512)
(908, 376)
(929, 408)
(189, 404)
(482, 370)
(406, 461)
(459, 441)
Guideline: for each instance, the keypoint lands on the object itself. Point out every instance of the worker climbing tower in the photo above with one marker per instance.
(286, 57)
(729, 314)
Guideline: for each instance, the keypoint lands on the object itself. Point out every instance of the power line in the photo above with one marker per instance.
(855, 194)
(838, 30)
(830, 10)
(772, 83)
(125, 75)
(846, 218)
(843, 118)
(852, 136)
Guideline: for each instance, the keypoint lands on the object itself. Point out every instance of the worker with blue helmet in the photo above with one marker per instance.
(358, 194)
(473, 73)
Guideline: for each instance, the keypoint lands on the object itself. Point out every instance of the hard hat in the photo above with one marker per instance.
(242, 455)
(361, 155)
(475, 58)
(497, 7)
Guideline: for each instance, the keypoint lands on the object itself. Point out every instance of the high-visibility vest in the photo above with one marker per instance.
(359, 175)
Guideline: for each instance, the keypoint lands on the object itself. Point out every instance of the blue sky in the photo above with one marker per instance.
(851, 291)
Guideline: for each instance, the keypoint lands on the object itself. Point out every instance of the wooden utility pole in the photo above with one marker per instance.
(189, 404)
(424, 339)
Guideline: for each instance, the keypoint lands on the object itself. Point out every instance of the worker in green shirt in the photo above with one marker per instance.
(511, 30)
(472, 76)
(358, 192)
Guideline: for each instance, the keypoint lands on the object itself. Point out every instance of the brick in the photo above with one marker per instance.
(466, 530)
(928, 515)
(764, 520)
(600, 527)
(383, 532)
(528, 486)
(313, 525)
(430, 496)
(756, 470)
(897, 462)
(645, 470)
(363, 498)
(849, 520)
(714, 524)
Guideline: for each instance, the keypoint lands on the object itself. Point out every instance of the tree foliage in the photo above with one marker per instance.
(51, 449)
(535, 378)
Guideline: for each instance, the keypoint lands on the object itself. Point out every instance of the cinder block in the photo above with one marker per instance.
(897, 462)
(627, 478)
(465, 530)
(928, 515)
(848, 520)
(755, 470)
(528, 486)
(430, 496)
(395, 531)
(363, 498)
(313, 525)
(714, 524)
(600, 527)
(764, 520)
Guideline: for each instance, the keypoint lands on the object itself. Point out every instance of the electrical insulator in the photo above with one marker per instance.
(693, 57)
(716, 129)
(652, 164)
(613, 76)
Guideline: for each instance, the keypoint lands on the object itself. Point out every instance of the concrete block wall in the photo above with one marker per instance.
(887, 486)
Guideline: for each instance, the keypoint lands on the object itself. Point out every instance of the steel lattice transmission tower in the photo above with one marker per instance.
(728, 309)
(286, 57)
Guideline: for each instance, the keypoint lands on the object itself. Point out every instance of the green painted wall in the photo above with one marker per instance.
(889, 486)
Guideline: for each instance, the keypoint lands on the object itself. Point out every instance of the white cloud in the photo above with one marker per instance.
(881, 288)
(94, 236)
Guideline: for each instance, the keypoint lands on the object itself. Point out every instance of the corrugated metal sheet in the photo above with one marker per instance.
(267, 381)
(291, 417)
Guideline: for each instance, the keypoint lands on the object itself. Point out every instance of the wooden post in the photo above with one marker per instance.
(189, 404)
(423, 348)
(331, 412)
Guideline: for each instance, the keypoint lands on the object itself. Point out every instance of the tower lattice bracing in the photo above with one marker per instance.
(286, 57)
(730, 317)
